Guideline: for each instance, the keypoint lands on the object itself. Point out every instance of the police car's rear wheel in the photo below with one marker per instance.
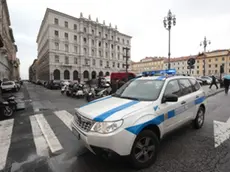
(199, 120)
(144, 150)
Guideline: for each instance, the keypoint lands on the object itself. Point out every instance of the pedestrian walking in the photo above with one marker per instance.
(213, 82)
(226, 83)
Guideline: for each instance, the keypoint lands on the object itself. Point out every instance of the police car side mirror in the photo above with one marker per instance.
(170, 98)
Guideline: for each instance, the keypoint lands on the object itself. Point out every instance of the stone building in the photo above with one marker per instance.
(32, 71)
(70, 48)
(9, 63)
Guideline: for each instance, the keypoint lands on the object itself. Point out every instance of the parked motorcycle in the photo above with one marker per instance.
(95, 93)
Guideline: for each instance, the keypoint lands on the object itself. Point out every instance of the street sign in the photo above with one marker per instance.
(221, 132)
(191, 67)
(191, 61)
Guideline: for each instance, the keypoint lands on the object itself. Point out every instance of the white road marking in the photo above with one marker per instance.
(65, 116)
(39, 140)
(50, 137)
(6, 128)
(221, 132)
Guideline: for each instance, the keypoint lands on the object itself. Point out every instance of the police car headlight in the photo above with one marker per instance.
(106, 127)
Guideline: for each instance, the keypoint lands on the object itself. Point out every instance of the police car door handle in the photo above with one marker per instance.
(183, 102)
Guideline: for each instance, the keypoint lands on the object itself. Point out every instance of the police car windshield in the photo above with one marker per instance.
(144, 90)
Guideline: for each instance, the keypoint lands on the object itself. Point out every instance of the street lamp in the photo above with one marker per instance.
(204, 43)
(169, 21)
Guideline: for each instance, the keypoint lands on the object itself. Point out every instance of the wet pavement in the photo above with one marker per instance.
(32, 149)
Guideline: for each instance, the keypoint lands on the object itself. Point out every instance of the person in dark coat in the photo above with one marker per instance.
(226, 85)
(213, 82)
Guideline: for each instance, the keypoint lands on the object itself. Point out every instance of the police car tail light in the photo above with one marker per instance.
(106, 127)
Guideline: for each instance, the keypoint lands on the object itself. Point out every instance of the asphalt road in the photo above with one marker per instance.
(38, 139)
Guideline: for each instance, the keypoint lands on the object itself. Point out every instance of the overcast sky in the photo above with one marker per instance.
(142, 19)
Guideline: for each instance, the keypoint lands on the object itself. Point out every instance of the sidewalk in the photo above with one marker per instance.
(213, 91)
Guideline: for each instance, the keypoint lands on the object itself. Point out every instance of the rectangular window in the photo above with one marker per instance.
(112, 46)
(223, 58)
(118, 48)
(127, 41)
(118, 65)
(85, 40)
(66, 36)
(106, 54)
(92, 53)
(56, 21)
(106, 45)
(92, 32)
(56, 59)
(75, 49)
(209, 60)
(107, 63)
(85, 51)
(216, 59)
(113, 64)
(197, 72)
(99, 34)
(85, 30)
(118, 56)
(56, 45)
(92, 42)
(100, 53)
(75, 27)
(94, 62)
(112, 37)
(66, 60)
(101, 63)
(75, 37)
(56, 33)
(66, 47)
(66, 24)
(75, 60)
(216, 65)
(112, 55)
(86, 61)
(210, 66)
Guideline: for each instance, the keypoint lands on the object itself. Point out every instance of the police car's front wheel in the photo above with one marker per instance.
(144, 150)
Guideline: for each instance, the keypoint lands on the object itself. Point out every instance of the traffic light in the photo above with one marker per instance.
(222, 68)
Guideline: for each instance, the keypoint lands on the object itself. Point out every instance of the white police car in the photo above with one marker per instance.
(133, 120)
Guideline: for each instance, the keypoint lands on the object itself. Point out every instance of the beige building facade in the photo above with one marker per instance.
(213, 61)
(71, 48)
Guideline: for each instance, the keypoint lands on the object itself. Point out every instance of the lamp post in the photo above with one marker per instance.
(204, 43)
(169, 21)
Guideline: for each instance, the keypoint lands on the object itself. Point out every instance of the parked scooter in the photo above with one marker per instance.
(12, 103)
(8, 107)
(95, 93)
(63, 89)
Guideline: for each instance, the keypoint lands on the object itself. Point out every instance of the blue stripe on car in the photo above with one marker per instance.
(110, 112)
(137, 128)
(98, 100)
(199, 100)
(171, 114)
(158, 120)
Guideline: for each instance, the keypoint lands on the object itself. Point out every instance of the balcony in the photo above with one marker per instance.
(86, 65)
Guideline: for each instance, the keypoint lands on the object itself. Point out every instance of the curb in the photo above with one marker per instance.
(213, 94)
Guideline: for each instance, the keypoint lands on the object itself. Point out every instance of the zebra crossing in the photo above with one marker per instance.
(42, 132)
